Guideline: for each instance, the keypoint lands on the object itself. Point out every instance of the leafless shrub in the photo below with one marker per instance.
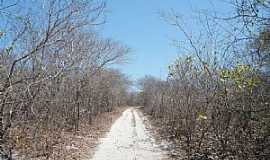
(214, 106)
(53, 73)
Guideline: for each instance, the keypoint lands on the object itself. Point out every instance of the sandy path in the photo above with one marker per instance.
(128, 139)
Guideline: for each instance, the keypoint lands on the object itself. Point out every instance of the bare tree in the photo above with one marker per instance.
(53, 73)
(214, 103)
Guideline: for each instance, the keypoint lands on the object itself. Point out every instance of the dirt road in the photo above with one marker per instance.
(128, 139)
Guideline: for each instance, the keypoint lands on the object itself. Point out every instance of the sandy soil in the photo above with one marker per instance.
(123, 134)
(83, 145)
(164, 139)
(129, 139)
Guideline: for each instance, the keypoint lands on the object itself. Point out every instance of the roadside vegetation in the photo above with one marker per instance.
(56, 83)
(214, 103)
(54, 77)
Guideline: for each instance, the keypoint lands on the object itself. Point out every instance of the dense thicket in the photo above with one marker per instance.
(53, 73)
(215, 101)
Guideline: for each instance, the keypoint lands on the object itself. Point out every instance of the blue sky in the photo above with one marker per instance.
(137, 23)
